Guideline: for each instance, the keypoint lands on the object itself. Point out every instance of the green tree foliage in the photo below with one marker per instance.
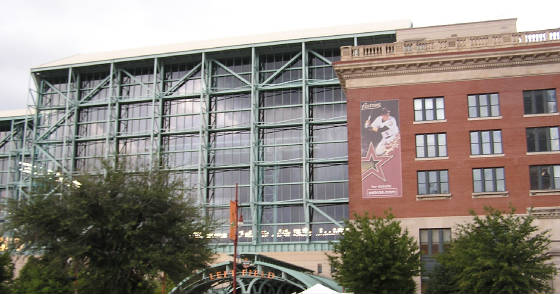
(6, 272)
(498, 253)
(374, 255)
(119, 230)
(442, 281)
(44, 275)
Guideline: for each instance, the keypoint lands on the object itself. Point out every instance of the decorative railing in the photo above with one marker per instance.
(417, 47)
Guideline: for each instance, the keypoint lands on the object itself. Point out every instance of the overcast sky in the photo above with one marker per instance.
(35, 32)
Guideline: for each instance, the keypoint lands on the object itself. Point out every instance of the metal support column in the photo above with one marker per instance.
(306, 169)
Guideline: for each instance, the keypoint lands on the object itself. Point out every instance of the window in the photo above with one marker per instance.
(427, 109)
(431, 145)
(484, 105)
(433, 182)
(486, 142)
(540, 101)
(543, 139)
(432, 242)
(488, 179)
(545, 177)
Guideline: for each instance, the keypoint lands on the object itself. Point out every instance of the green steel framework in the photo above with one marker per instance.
(134, 106)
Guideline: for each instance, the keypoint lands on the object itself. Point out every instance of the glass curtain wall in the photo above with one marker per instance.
(270, 119)
(14, 161)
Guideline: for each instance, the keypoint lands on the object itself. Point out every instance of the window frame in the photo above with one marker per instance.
(429, 261)
(437, 146)
(531, 100)
(423, 110)
(492, 179)
(492, 142)
(427, 184)
(552, 144)
(554, 173)
(490, 107)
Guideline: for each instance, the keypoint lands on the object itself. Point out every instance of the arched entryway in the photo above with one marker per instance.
(256, 274)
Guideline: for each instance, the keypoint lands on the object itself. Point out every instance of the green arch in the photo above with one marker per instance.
(263, 275)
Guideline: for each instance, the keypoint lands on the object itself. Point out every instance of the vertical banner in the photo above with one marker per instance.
(232, 220)
(381, 149)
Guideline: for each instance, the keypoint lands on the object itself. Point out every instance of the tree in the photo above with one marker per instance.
(118, 231)
(442, 281)
(498, 253)
(43, 275)
(6, 272)
(374, 255)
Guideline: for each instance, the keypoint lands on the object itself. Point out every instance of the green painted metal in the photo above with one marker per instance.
(264, 174)
(281, 275)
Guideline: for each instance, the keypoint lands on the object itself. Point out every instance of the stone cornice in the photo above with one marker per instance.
(544, 212)
(460, 61)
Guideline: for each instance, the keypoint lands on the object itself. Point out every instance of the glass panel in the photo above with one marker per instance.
(420, 146)
(554, 141)
(435, 242)
(440, 109)
(486, 142)
(422, 183)
(424, 242)
(442, 151)
(483, 102)
(475, 147)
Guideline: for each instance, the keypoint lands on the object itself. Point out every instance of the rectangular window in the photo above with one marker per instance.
(431, 145)
(545, 177)
(484, 105)
(489, 180)
(543, 139)
(428, 109)
(540, 101)
(433, 182)
(432, 242)
(486, 142)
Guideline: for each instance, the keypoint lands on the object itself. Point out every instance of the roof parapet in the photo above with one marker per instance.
(453, 44)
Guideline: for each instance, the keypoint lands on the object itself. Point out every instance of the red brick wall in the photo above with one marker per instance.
(515, 160)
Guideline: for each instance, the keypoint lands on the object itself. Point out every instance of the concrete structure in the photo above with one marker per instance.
(478, 122)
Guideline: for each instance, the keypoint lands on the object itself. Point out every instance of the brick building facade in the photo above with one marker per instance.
(478, 122)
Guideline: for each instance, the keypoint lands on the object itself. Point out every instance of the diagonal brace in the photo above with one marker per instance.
(71, 112)
(133, 77)
(56, 90)
(326, 215)
(96, 89)
(320, 57)
(183, 80)
(232, 72)
(52, 158)
(281, 69)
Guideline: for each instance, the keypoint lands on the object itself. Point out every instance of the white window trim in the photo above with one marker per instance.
(433, 197)
(487, 155)
(429, 121)
(500, 194)
(543, 152)
(431, 158)
(485, 118)
(541, 114)
(544, 192)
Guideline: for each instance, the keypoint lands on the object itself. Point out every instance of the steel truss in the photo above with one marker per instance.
(271, 117)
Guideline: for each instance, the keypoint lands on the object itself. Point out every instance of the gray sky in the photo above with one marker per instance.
(36, 32)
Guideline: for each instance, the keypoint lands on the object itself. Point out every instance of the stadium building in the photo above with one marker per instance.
(270, 114)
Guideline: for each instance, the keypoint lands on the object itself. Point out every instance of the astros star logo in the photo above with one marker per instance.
(373, 164)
